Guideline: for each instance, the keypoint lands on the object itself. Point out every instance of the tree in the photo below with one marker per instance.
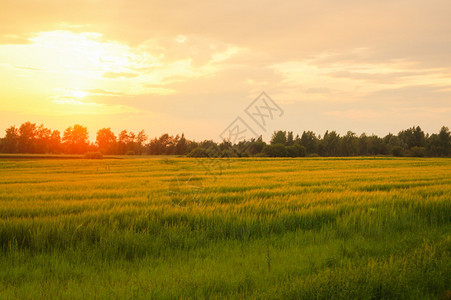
(444, 137)
(296, 150)
(349, 144)
(256, 146)
(165, 144)
(275, 150)
(418, 151)
(106, 141)
(76, 139)
(279, 137)
(42, 142)
(397, 151)
(198, 152)
(413, 137)
(394, 141)
(27, 137)
(131, 145)
(394, 145)
(439, 144)
(225, 145)
(376, 145)
(330, 144)
(420, 139)
(55, 142)
(290, 139)
(211, 148)
(11, 140)
(363, 144)
(141, 138)
(123, 141)
(181, 148)
(309, 141)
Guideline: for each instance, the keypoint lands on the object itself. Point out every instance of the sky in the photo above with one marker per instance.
(195, 66)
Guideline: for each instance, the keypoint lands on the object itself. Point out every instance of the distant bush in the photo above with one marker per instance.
(260, 154)
(198, 152)
(296, 151)
(313, 155)
(93, 155)
(397, 151)
(279, 150)
(418, 151)
(243, 154)
(228, 153)
(276, 150)
(130, 152)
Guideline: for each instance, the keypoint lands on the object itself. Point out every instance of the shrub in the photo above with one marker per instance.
(296, 151)
(93, 155)
(418, 151)
(243, 154)
(276, 150)
(198, 152)
(397, 151)
(228, 153)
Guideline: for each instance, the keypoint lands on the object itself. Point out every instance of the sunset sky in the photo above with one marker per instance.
(194, 66)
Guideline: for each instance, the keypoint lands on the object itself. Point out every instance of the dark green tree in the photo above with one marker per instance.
(330, 144)
(413, 137)
(439, 144)
(279, 137)
(309, 141)
(181, 148)
(349, 144)
(275, 150)
(290, 138)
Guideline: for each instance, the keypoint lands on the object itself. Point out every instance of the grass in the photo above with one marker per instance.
(341, 228)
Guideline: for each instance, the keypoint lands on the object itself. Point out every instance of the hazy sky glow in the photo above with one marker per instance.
(193, 66)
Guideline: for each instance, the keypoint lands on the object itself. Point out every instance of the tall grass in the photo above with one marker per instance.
(265, 228)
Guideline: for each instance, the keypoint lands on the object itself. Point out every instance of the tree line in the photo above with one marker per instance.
(31, 138)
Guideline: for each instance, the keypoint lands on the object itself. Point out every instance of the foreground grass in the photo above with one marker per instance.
(366, 228)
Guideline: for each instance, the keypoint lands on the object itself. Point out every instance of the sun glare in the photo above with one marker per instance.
(79, 94)
(71, 52)
(63, 66)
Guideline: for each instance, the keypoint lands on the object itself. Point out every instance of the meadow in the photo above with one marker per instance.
(266, 228)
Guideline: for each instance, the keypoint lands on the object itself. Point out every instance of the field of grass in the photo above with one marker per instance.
(163, 228)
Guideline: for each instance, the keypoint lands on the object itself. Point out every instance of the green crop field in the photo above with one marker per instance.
(164, 228)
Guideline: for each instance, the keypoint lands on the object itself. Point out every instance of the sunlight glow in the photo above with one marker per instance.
(79, 94)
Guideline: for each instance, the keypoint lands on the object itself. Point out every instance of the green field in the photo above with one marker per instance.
(163, 228)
